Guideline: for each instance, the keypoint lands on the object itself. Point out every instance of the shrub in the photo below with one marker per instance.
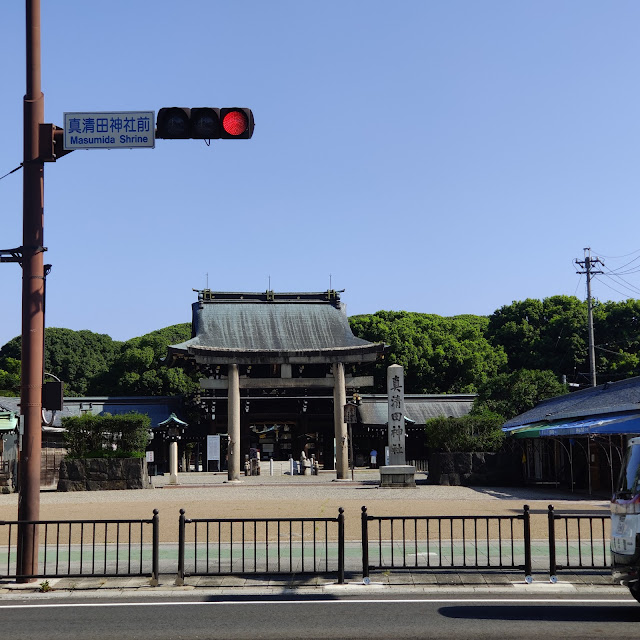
(107, 436)
(470, 433)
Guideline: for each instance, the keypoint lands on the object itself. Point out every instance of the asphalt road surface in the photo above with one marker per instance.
(445, 617)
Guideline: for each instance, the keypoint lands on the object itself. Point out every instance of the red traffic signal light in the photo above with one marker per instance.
(204, 123)
(236, 122)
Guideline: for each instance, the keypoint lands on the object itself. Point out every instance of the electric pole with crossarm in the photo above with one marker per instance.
(587, 265)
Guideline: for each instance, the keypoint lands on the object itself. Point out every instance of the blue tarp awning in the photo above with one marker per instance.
(603, 425)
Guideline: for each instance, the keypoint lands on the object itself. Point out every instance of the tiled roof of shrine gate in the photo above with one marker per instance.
(273, 327)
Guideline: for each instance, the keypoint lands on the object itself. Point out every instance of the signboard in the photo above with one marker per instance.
(213, 448)
(149, 456)
(350, 413)
(109, 130)
(395, 395)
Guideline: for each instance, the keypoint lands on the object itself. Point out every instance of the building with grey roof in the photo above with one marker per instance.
(578, 439)
(278, 368)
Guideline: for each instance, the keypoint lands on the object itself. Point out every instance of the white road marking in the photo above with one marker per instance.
(473, 601)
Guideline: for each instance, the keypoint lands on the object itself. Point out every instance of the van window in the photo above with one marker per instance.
(630, 474)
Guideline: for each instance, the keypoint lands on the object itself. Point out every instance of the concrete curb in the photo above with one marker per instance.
(140, 587)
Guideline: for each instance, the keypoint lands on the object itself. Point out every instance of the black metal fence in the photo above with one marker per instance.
(446, 542)
(83, 548)
(224, 546)
(242, 546)
(581, 541)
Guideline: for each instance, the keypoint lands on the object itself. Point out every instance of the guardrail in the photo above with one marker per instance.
(225, 546)
(581, 542)
(84, 548)
(243, 546)
(446, 542)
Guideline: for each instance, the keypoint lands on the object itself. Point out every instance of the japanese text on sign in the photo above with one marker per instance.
(395, 395)
(109, 130)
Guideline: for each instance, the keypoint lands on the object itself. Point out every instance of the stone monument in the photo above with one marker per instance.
(397, 473)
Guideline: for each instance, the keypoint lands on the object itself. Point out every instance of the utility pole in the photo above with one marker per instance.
(32, 302)
(587, 265)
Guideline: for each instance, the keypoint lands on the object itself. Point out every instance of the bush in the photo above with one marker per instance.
(470, 433)
(107, 436)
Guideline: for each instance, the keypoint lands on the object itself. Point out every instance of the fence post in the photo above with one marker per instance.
(340, 545)
(155, 552)
(181, 525)
(527, 545)
(365, 546)
(552, 545)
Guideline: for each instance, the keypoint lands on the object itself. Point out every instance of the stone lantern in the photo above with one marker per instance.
(173, 429)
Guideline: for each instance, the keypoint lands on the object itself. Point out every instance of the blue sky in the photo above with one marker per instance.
(445, 157)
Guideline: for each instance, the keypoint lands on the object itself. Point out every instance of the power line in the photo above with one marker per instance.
(626, 255)
(620, 281)
(613, 288)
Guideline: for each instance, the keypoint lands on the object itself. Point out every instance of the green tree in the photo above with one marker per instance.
(76, 357)
(510, 394)
(439, 355)
(138, 368)
(617, 337)
(10, 377)
(548, 334)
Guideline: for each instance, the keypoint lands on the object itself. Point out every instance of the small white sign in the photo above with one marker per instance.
(149, 456)
(109, 130)
(213, 448)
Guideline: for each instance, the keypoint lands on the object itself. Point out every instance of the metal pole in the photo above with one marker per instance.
(181, 542)
(340, 545)
(527, 544)
(552, 544)
(592, 348)
(365, 546)
(155, 569)
(32, 301)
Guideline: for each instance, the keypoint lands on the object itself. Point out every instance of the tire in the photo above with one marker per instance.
(634, 589)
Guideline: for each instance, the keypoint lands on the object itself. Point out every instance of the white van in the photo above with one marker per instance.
(625, 522)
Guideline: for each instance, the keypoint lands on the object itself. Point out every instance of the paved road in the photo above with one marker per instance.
(445, 616)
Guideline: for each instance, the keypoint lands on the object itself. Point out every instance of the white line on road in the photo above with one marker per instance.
(474, 601)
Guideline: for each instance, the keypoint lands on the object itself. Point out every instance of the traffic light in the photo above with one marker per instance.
(204, 123)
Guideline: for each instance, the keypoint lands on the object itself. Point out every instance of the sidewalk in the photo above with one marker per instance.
(396, 583)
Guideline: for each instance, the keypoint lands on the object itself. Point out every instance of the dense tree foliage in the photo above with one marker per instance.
(439, 355)
(77, 357)
(617, 337)
(10, 377)
(510, 394)
(94, 364)
(138, 368)
(543, 334)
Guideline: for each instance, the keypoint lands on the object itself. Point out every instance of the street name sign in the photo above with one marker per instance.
(109, 130)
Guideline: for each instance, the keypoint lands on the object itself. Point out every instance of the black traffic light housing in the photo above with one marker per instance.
(204, 123)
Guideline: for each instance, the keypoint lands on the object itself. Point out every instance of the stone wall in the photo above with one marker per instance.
(475, 469)
(102, 474)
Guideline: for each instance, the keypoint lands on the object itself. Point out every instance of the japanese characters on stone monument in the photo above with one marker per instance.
(397, 473)
(395, 395)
